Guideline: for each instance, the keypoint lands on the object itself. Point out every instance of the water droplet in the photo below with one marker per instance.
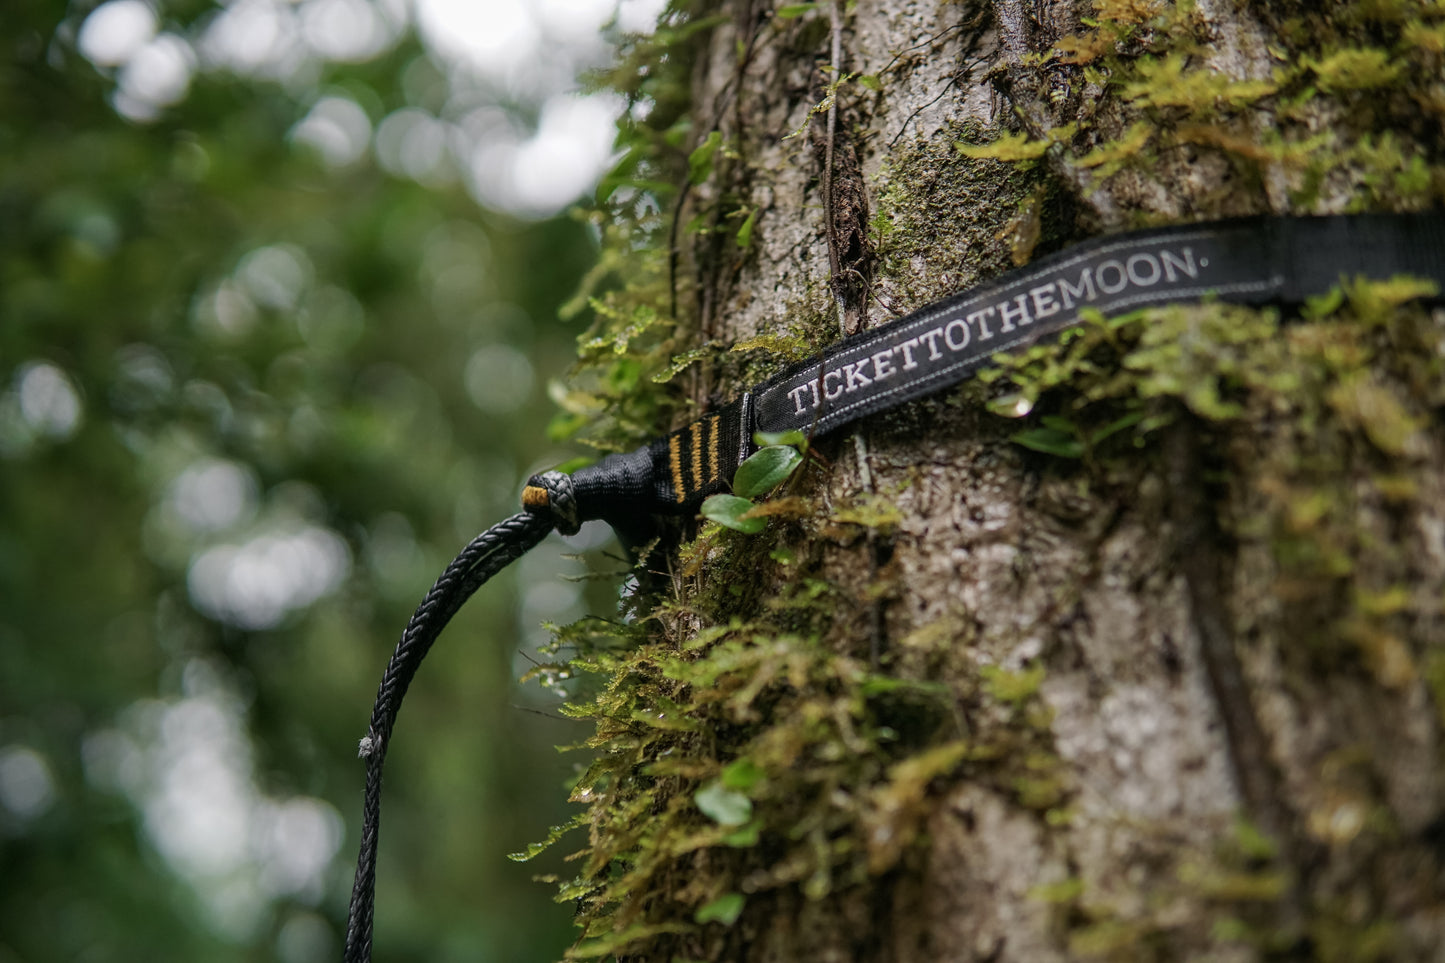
(1011, 406)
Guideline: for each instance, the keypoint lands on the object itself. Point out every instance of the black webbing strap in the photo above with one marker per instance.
(1259, 260)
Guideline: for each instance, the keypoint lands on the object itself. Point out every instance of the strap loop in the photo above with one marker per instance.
(552, 494)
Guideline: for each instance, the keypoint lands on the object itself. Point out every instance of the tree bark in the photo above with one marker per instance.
(1178, 698)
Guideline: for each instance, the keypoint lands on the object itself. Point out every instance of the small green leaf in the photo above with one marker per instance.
(1051, 441)
(870, 81)
(699, 162)
(791, 10)
(573, 464)
(746, 836)
(742, 774)
(727, 510)
(724, 806)
(725, 910)
(1115, 426)
(745, 232)
(792, 437)
(765, 469)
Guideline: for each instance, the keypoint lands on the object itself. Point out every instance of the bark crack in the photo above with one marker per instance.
(1254, 769)
(845, 199)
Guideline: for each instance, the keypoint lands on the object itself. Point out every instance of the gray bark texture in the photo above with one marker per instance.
(1178, 698)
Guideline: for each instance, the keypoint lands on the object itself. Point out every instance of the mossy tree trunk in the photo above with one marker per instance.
(1169, 692)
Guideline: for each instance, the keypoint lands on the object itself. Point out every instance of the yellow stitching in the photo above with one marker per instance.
(675, 460)
(696, 428)
(712, 448)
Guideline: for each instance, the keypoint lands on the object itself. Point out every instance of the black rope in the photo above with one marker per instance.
(485, 556)
(1260, 260)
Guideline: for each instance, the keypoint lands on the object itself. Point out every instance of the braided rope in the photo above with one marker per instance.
(484, 556)
(561, 500)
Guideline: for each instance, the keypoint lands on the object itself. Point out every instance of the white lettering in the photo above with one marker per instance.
(1044, 303)
(856, 378)
(1020, 313)
(883, 364)
(1118, 269)
(977, 318)
(907, 348)
(1069, 291)
(797, 395)
(1143, 269)
(948, 335)
(931, 339)
(1139, 279)
(1171, 262)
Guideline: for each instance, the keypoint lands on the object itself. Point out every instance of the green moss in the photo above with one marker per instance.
(754, 702)
(617, 395)
(1166, 82)
(918, 216)
(1353, 67)
(1108, 938)
(1064, 891)
(1342, 941)
(1267, 886)
(867, 510)
(1012, 687)
(753, 755)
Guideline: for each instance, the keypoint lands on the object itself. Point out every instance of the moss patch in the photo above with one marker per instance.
(745, 744)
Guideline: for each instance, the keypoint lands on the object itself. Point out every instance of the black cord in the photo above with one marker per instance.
(485, 556)
(1260, 260)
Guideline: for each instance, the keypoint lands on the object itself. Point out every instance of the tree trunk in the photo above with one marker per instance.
(1171, 692)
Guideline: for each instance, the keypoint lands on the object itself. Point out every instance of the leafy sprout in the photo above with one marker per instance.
(762, 472)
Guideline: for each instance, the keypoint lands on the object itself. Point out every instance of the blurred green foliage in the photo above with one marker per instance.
(199, 292)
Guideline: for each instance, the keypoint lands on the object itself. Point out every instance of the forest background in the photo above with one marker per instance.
(280, 288)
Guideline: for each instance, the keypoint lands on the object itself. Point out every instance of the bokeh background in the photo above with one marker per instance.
(279, 292)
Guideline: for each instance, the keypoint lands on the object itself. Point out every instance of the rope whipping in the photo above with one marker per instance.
(1257, 261)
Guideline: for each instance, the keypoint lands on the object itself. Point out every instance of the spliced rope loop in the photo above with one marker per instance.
(550, 504)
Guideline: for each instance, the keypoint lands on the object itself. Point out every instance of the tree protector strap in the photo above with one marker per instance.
(1256, 260)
